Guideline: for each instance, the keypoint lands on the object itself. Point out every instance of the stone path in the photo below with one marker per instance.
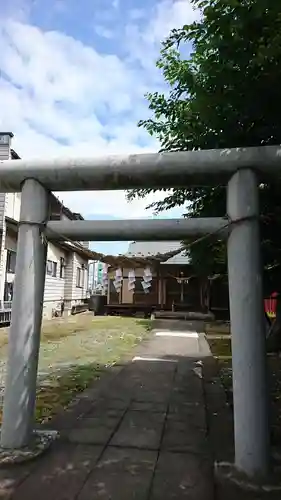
(138, 434)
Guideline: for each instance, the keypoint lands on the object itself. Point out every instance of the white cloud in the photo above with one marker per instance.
(112, 203)
(104, 32)
(53, 67)
(61, 97)
(167, 15)
(135, 14)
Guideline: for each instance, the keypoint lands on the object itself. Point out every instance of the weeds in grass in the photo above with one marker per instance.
(74, 352)
(96, 343)
(59, 389)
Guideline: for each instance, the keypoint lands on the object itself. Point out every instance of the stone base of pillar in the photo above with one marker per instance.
(39, 443)
(232, 484)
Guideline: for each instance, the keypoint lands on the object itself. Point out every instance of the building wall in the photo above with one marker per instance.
(164, 288)
(137, 296)
(54, 285)
(57, 289)
(2, 208)
(127, 295)
(4, 151)
(13, 201)
(11, 242)
(79, 292)
(68, 280)
(4, 155)
(66, 288)
(3, 260)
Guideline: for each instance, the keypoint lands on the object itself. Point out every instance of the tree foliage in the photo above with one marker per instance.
(225, 93)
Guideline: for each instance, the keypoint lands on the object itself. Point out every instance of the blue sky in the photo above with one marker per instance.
(72, 81)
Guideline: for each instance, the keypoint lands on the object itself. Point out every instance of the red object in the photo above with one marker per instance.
(270, 305)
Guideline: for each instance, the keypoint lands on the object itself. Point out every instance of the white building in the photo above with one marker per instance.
(67, 263)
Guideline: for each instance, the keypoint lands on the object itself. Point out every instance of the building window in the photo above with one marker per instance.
(11, 261)
(49, 267)
(55, 267)
(62, 267)
(84, 271)
(79, 277)
(8, 292)
(52, 268)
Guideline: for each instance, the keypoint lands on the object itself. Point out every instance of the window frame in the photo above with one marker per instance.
(10, 255)
(79, 277)
(62, 267)
(51, 268)
(55, 269)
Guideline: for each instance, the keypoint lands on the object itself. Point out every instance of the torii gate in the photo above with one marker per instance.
(241, 170)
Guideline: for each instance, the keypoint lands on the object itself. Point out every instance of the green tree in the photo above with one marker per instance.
(226, 93)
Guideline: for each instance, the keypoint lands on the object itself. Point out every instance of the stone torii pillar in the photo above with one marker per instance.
(250, 393)
(24, 335)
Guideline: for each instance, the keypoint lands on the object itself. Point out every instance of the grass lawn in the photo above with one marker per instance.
(217, 329)
(76, 351)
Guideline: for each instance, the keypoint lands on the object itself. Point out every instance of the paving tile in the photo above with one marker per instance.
(122, 474)
(98, 436)
(93, 430)
(113, 403)
(154, 381)
(68, 418)
(106, 406)
(152, 406)
(182, 404)
(124, 390)
(140, 430)
(184, 369)
(106, 420)
(193, 414)
(182, 436)
(190, 386)
(60, 474)
(100, 411)
(152, 366)
(12, 477)
(158, 396)
(181, 476)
